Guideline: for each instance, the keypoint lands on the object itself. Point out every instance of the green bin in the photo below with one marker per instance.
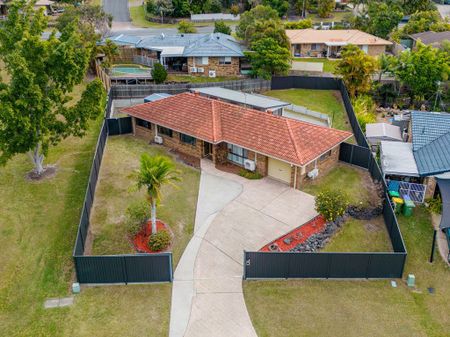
(408, 208)
(394, 194)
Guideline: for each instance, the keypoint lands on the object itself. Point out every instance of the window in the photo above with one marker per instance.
(165, 131)
(187, 139)
(236, 154)
(144, 124)
(201, 61)
(314, 46)
(325, 155)
(225, 60)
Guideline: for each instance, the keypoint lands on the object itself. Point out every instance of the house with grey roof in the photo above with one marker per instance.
(424, 159)
(211, 55)
(434, 39)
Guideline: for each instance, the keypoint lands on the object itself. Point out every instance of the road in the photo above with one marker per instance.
(118, 9)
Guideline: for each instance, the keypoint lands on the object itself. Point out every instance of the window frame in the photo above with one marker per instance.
(223, 60)
(143, 123)
(325, 156)
(233, 154)
(201, 60)
(183, 139)
(165, 131)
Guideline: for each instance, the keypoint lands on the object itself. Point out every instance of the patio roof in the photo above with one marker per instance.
(397, 158)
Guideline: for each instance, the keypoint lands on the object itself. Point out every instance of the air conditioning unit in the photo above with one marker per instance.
(249, 165)
(212, 73)
(200, 70)
(313, 174)
(193, 69)
(158, 140)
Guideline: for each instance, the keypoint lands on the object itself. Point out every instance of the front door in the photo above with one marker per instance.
(207, 150)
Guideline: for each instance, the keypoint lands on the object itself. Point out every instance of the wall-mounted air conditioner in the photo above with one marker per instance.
(158, 140)
(313, 173)
(193, 69)
(249, 165)
(212, 73)
(200, 70)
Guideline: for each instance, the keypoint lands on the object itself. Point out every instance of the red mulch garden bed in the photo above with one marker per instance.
(140, 241)
(299, 235)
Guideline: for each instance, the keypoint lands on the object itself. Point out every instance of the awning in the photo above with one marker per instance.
(171, 51)
(336, 43)
(444, 188)
(397, 158)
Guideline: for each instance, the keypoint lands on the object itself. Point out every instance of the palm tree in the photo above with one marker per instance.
(156, 171)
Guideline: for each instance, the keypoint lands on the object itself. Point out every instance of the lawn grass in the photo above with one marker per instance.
(325, 101)
(115, 192)
(199, 79)
(355, 183)
(359, 308)
(38, 224)
(329, 66)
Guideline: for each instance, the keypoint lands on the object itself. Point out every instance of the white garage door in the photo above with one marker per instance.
(280, 170)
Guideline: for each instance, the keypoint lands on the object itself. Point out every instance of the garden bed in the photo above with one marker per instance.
(140, 241)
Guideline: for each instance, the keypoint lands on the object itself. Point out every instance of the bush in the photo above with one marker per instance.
(364, 108)
(159, 241)
(221, 27)
(435, 205)
(159, 73)
(186, 27)
(234, 9)
(137, 215)
(331, 204)
(249, 174)
(302, 24)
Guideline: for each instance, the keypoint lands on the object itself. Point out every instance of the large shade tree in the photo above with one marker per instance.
(154, 173)
(36, 109)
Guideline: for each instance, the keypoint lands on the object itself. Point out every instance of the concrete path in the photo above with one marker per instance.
(441, 240)
(233, 214)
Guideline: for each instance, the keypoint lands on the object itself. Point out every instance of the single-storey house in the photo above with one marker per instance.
(253, 101)
(426, 158)
(199, 127)
(328, 43)
(430, 38)
(210, 55)
(47, 5)
(377, 132)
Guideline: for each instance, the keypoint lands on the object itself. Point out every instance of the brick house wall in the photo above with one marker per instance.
(376, 50)
(262, 162)
(213, 64)
(305, 50)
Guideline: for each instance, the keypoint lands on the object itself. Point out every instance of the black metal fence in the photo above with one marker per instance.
(266, 265)
(138, 268)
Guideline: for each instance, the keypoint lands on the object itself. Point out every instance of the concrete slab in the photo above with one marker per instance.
(307, 66)
(58, 302)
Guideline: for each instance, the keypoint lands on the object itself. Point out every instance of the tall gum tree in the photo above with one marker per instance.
(36, 109)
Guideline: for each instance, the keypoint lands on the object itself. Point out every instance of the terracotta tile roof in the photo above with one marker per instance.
(351, 36)
(215, 121)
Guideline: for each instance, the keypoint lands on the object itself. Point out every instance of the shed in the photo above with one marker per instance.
(397, 158)
(156, 97)
(377, 132)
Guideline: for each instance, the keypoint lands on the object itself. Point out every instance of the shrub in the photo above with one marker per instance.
(331, 204)
(234, 9)
(364, 108)
(159, 73)
(302, 24)
(435, 205)
(159, 241)
(249, 174)
(186, 27)
(221, 27)
(137, 215)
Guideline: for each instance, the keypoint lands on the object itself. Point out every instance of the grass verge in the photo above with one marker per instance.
(329, 66)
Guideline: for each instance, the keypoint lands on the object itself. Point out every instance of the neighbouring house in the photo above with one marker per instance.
(253, 101)
(210, 55)
(424, 159)
(46, 4)
(430, 38)
(328, 43)
(200, 127)
(377, 132)
(156, 97)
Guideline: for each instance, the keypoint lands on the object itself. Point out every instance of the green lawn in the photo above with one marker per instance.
(38, 224)
(329, 66)
(359, 308)
(325, 101)
(199, 79)
(115, 192)
(354, 182)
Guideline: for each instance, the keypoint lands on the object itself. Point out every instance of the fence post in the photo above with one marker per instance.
(351, 155)
(244, 276)
(124, 269)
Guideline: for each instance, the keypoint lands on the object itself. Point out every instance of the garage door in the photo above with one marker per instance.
(280, 170)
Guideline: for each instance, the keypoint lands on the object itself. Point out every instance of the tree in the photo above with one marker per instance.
(269, 28)
(302, 24)
(413, 6)
(422, 22)
(159, 73)
(163, 7)
(186, 27)
(249, 19)
(109, 49)
(356, 68)
(212, 6)
(422, 70)
(382, 19)
(234, 9)
(154, 173)
(281, 6)
(221, 27)
(269, 58)
(35, 104)
(181, 8)
(325, 7)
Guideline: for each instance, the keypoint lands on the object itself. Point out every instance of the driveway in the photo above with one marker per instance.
(233, 214)
(118, 9)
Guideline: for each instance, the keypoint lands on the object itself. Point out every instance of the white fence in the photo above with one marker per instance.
(214, 17)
